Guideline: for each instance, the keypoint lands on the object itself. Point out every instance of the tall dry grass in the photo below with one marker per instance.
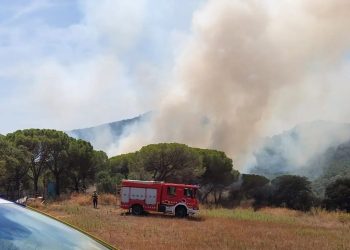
(77, 199)
(86, 199)
(242, 228)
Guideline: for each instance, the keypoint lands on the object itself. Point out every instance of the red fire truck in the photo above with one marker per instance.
(140, 196)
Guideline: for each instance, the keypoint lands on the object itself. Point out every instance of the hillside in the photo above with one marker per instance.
(317, 150)
(307, 150)
(338, 167)
(104, 136)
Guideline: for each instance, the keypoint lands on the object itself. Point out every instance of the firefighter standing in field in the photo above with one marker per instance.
(95, 199)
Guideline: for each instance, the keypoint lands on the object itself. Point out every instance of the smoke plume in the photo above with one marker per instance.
(241, 59)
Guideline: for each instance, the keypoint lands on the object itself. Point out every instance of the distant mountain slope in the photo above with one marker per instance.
(319, 150)
(104, 136)
(337, 167)
(116, 129)
(308, 149)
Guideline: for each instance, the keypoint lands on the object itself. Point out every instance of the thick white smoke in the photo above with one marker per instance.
(243, 59)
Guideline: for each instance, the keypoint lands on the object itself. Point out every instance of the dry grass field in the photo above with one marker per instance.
(241, 228)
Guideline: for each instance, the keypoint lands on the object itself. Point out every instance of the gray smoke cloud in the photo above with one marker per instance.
(244, 59)
(304, 150)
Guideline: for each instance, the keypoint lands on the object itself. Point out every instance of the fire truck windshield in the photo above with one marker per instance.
(189, 192)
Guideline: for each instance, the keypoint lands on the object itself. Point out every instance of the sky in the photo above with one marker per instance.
(216, 73)
(68, 64)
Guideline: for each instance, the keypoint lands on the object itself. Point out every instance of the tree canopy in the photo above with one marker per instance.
(32, 158)
(292, 191)
(170, 162)
(44, 154)
(14, 164)
(218, 173)
(338, 195)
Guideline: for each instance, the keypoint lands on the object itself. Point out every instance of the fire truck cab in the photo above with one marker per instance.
(140, 196)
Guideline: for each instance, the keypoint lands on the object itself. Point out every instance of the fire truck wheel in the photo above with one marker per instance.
(180, 212)
(136, 209)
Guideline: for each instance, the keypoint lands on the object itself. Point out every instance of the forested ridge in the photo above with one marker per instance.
(32, 158)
